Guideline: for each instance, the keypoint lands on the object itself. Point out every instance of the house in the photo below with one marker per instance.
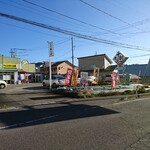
(88, 63)
(95, 65)
(59, 67)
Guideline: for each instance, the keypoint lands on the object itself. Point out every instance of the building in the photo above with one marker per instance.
(27, 72)
(15, 71)
(57, 68)
(61, 67)
(39, 73)
(88, 63)
(9, 69)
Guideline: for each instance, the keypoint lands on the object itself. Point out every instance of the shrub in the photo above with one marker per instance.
(128, 92)
(141, 90)
(104, 83)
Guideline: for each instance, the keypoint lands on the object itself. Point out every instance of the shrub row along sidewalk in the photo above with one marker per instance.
(78, 92)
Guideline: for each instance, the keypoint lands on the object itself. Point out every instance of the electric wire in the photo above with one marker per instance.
(114, 30)
(74, 19)
(110, 15)
(36, 11)
(86, 37)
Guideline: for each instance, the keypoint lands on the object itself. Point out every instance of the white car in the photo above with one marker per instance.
(57, 80)
(3, 84)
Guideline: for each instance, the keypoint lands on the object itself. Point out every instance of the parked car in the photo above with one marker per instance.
(91, 80)
(3, 84)
(57, 80)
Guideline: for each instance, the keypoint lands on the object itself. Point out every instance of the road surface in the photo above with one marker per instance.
(66, 124)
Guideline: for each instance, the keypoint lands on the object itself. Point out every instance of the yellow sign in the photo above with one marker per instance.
(9, 66)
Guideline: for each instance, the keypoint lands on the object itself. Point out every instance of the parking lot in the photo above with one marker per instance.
(14, 96)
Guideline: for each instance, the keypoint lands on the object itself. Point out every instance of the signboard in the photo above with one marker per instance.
(84, 79)
(96, 73)
(51, 49)
(68, 77)
(119, 58)
(9, 66)
(74, 77)
(114, 79)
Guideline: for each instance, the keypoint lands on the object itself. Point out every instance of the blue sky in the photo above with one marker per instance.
(126, 22)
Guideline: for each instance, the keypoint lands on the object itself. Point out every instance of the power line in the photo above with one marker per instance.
(36, 11)
(36, 31)
(39, 6)
(110, 15)
(74, 19)
(140, 56)
(73, 33)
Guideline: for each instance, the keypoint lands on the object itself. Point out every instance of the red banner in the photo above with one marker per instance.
(68, 77)
(113, 81)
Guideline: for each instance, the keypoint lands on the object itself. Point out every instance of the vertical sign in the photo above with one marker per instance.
(84, 79)
(74, 78)
(96, 73)
(114, 78)
(68, 77)
(51, 53)
(51, 49)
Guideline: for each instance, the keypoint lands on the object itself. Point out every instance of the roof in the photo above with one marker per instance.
(60, 62)
(103, 55)
(21, 71)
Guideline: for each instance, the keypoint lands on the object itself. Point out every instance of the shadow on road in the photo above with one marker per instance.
(31, 116)
(35, 88)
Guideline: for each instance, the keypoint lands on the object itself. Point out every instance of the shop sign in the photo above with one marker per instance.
(84, 79)
(120, 58)
(9, 66)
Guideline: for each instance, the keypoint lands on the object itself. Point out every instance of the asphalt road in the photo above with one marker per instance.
(39, 120)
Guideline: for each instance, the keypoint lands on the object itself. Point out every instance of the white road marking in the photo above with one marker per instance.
(27, 122)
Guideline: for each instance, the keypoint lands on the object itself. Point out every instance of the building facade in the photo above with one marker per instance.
(9, 69)
(57, 68)
(90, 62)
(61, 67)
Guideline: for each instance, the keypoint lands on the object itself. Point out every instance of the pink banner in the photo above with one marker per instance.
(68, 77)
(113, 81)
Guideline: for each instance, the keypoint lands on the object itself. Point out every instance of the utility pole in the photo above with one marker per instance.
(13, 53)
(72, 51)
